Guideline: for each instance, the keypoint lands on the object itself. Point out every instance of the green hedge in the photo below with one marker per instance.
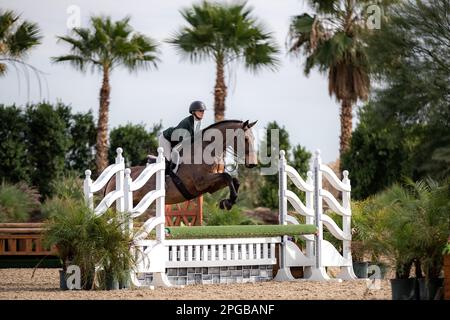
(240, 231)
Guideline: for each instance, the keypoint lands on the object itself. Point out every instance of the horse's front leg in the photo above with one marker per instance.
(236, 184)
(233, 185)
(216, 181)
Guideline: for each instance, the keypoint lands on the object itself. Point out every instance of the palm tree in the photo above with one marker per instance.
(104, 47)
(17, 38)
(224, 33)
(332, 40)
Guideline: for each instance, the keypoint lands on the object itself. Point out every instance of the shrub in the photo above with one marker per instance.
(17, 202)
(88, 241)
(214, 216)
(67, 190)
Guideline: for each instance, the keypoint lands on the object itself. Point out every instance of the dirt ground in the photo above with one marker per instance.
(18, 284)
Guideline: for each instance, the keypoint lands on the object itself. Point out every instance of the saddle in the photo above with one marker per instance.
(171, 169)
(169, 164)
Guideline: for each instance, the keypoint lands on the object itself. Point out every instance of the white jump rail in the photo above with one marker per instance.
(193, 253)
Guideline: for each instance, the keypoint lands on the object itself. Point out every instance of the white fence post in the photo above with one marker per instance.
(128, 199)
(318, 272)
(284, 273)
(88, 195)
(160, 201)
(347, 272)
(160, 278)
(155, 256)
(309, 220)
(120, 208)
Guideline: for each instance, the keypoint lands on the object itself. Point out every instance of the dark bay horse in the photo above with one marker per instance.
(201, 174)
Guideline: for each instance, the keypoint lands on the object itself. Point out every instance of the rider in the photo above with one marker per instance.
(191, 123)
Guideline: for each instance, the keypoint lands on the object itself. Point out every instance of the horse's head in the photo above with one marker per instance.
(233, 136)
(251, 159)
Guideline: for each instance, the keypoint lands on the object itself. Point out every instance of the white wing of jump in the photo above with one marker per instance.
(108, 201)
(298, 205)
(106, 176)
(332, 202)
(308, 237)
(334, 228)
(333, 179)
(147, 227)
(146, 201)
(146, 174)
(295, 257)
(291, 219)
(298, 181)
(331, 257)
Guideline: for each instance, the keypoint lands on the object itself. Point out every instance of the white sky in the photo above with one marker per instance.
(299, 103)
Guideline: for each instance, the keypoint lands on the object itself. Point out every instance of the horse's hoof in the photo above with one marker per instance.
(228, 204)
(225, 204)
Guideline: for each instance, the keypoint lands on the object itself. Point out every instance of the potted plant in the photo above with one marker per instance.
(113, 245)
(431, 222)
(363, 229)
(416, 222)
(66, 230)
(393, 235)
(84, 239)
(92, 243)
(446, 253)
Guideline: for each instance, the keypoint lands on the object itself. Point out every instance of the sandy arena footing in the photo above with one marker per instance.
(18, 284)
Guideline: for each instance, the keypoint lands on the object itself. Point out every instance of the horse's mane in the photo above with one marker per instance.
(221, 122)
(191, 140)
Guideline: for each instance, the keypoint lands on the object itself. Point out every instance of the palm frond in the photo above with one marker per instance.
(300, 30)
(331, 7)
(331, 40)
(17, 38)
(261, 56)
(225, 32)
(25, 37)
(77, 61)
(109, 44)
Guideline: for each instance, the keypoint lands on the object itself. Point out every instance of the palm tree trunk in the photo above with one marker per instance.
(220, 92)
(101, 156)
(346, 126)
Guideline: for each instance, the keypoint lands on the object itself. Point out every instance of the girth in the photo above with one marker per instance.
(175, 178)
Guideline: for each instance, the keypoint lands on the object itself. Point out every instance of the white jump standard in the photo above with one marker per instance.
(169, 262)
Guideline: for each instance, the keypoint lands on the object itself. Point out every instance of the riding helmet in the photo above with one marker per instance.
(197, 106)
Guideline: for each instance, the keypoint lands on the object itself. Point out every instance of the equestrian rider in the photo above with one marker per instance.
(191, 124)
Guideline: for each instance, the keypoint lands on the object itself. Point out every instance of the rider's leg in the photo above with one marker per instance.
(165, 144)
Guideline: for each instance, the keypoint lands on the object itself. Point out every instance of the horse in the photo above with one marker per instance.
(203, 175)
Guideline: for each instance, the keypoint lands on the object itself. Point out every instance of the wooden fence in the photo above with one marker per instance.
(23, 239)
